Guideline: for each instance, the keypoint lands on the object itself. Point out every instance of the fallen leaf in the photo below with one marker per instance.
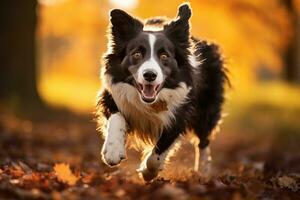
(56, 195)
(259, 166)
(288, 182)
(170, 192)
(64, 174)
(43, 167)
(16, 171)
(33, 177)
(14, 181)
(25, 167)
(120, 193)
(88, 178)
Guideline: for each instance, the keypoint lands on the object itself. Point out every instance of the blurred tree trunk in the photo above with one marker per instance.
(17, 53)
(292, 58)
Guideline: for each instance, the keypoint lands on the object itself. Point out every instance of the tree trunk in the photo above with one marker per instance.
(292, 58)
(17, 53)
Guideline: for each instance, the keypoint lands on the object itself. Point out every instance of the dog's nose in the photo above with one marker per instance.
(149, 76)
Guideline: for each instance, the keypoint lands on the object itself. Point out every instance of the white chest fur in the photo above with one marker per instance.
(146, 123)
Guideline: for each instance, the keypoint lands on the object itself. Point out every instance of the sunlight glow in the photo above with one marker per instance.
(126, 4)
(50, 2)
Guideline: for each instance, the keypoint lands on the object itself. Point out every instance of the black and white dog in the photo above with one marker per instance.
(158, 83)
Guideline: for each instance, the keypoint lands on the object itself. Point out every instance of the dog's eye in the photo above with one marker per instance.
(164, 57)
(137, 55)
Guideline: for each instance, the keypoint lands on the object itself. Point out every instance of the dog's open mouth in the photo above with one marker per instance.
(148, 92)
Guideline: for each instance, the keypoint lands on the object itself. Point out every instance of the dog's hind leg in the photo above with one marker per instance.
(205, 161)
(197, 158)
(203, 127)
(210, 98)
(202, 160)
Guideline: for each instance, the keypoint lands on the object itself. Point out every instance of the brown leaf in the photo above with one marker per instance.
(43, 167)
(64, 174)
(120, 193)
(25, 167)
(288, 182)
(16, 171)
(88, 178)
(14, 181)
(170, 192)
(56, 195)
(33, 177)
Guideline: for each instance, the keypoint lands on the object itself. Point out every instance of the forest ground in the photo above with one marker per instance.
(248, 162)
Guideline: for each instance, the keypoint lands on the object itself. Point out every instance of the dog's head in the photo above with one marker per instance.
(149, 60)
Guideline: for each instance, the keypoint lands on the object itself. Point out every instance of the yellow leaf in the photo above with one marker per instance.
(64, 174)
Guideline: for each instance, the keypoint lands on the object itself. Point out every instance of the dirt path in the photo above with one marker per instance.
(245, 166)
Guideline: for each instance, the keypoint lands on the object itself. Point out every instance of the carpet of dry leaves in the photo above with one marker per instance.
(59, 159)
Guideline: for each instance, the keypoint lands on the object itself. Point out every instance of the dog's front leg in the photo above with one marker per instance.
(113, 150)
(153, 162)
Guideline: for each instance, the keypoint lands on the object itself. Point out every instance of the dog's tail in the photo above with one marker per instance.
(212, 66)
(211, 87)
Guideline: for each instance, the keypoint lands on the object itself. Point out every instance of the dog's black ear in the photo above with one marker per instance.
(123, 26)
(179, 29)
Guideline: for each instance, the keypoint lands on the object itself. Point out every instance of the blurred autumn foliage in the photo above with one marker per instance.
(50, 57)
(256, 38)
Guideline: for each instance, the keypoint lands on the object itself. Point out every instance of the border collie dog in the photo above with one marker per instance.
(159, 83)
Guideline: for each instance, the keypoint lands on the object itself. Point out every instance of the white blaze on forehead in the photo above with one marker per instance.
(151, 64)
(152, 40)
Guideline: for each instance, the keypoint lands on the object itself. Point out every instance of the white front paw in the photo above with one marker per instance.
(113, 153)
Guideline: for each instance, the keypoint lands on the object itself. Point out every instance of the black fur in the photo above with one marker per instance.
(202, 109)
(123, 28)
(106, 105)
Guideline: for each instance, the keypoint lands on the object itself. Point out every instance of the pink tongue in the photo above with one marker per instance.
(149, 91)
